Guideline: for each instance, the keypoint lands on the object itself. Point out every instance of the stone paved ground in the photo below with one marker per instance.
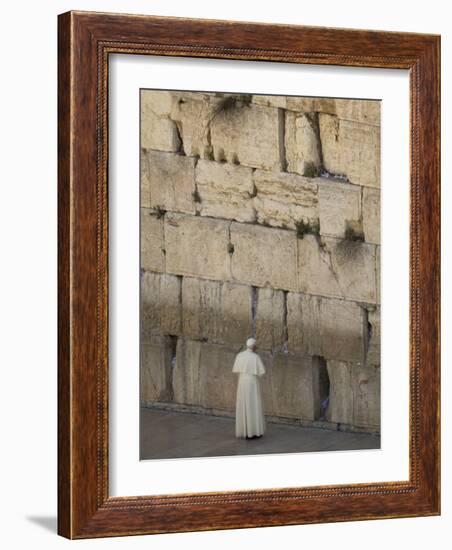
(168, 434)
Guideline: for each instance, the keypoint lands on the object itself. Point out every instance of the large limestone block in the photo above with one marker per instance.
(296, 387)
(270, 318)
(225, 191)
(278, 101)
(250, 135)
(160, 304)
(366, 397)
(160, 102)
(283, 199)
(371, 215)
(158, 132)
(302, 144)
(340, 406)
(203, 375)
(337, 268)
(339, 204)
(332, 328)
(197, 246)
(152, 242)
(358, 110)
(264, 256)
(214, 311)
(351, 149)
(374, 344)
(172, 182)
(156, 369)
(145, 182)
(193, 113)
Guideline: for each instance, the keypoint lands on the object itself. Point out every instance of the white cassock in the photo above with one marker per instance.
(249, 415)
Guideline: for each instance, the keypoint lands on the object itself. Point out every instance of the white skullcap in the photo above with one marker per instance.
(251, 342)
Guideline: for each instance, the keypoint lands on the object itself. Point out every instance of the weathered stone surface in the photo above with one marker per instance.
(311, 104)
(160, 102)
(203, 375)
(250, 135)
(197, 246)
(145, 182)
(283, 199)
(270, 100)
(351, 149)
(296, 387)
(358, 110)
(160, 304)
(225, 191)
(260, 253)
(152, 244)
(354, 395)
(303, 152)
(172, 181)
(158, 132)
(337, 268)
(378, 273)
(155, 369)
(374, 349)
(218, 312)
(270, 318)
(339, 203)
(332, 328)
(366, 397)
(371, 215)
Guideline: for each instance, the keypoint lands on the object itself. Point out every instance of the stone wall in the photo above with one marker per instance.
(260, 216)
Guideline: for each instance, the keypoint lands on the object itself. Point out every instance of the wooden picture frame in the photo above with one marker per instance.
(85, 42)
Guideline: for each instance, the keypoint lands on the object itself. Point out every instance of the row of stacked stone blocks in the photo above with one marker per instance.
(260, 215)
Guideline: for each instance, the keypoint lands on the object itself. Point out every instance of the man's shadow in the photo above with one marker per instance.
(46, 522)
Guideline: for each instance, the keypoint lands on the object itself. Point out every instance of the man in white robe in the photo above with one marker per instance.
(249, 415)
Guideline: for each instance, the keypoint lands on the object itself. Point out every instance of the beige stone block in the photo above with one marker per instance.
(340, 406)
(187, 379)
(158, 132)
(311, 104)
(378, 272)
(172, 181)
(371, 215)
(351, 149)
(145, 182)
(337, 268)
(160, 102)
(270, 318)
(152, 243)
(225, 191)
(366, 397)
(197, 246)
(218, 312)
(155, 370)
(302, 144)
(374, 344)
(160, 304)
(264, 256)
(278, 101)
(296, 387)
(250, 135)
(332, 328)
(283, 199)
(339, 204)
(358, 110)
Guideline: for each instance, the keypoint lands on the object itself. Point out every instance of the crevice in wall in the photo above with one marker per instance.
(172, 349)
(282, 139)
(254, 298)
(324, 387)
(285, 334)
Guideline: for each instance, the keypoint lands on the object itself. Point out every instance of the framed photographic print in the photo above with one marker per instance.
(248, 275)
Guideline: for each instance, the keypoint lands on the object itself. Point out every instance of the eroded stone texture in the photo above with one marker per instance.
(278, 101)
(371, 215)
(172, 181)
(160, 304)
(302, 144)
(374, 349)
(160, 102)
(145, 182)
(340, 406)
(358, 110)
(339, 204)
(351, 149)
(270, 318)
(214, 311)
(225, 191)
(264, 256)
(249, 135)
(152, 243)
(197, 246)
(337, 268)
(332, 328)
(158, 132)
(155, 369)
(187, 379)
(283, 199)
